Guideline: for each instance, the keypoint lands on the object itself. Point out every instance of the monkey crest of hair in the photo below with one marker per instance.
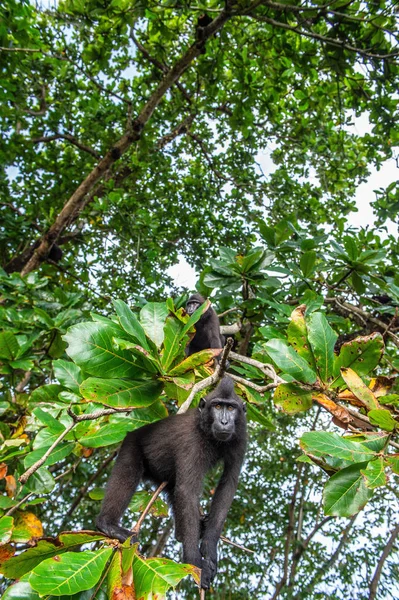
(207, 329)
(180, 450)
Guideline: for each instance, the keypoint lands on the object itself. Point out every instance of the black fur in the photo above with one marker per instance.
(207, 329)
(180, 450)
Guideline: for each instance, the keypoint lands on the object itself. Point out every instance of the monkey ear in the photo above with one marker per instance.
(244, 407)
(202, 403)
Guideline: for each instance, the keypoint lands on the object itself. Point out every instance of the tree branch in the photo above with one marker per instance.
(376, 578)
(69, 138)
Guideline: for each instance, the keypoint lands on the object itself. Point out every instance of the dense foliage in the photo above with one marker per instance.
(135, 133)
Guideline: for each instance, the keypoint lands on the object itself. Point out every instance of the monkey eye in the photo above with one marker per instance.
(229, 408)
(218, 407)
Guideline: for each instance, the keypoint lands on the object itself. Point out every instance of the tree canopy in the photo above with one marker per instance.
(135, 133)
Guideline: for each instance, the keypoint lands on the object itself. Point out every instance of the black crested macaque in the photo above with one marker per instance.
(207, 329)
(180, 450)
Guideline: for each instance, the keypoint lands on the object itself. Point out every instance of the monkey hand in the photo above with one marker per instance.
(209, 564)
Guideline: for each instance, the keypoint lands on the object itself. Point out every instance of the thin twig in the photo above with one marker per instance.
(266, 368)
(235, 545)
(258, 388)
(145, 512)
(25, 476)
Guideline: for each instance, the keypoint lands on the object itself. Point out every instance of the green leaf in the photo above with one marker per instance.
(121, 393)
(382, 418)
(393, 462)
(6, 528)
(131, 324)
(254, 414)
(91, 347)
(155, 576)
(359, 388)
(362, 355)
(69, 573)
(8, 345)
(346, 492)
(292, 399)
(26, 561)
(68, 374)
(320, 443)
(307, 263)
(58, 454)
(374, 473)
(289, 361)
(179, 387)
(322, 339)
(47, 419)
(173, 343)
(21, 590)
(106, 435)
(46, 393)
(350, 247)
(152, 319)
(40, 482)
(150, 362)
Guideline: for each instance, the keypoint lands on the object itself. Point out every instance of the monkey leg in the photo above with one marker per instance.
(187, 523)
(124, 479)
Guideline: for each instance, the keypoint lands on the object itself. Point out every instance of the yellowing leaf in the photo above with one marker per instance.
(27, 526)
(359, 388)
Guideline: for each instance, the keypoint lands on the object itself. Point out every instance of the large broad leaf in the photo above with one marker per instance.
(143, 416)
(291, 398)
(362, 355)
(359, 388)
(69, 573)
(17, 566)
(297, 335)
(6, 527)
(322, 339)
(131, 324)
(152, 319)
(121, 393)
(319, 443)
(8, 345)
(91, 346)
(289, 361)
(346, 492)
(155, 576)
(68, 374)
